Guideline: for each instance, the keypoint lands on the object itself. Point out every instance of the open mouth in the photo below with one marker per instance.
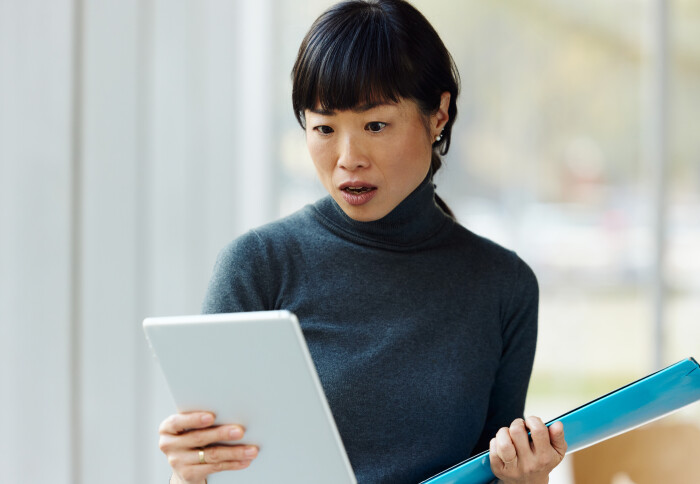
(358, 190)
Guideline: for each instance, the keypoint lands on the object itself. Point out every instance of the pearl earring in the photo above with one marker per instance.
(439, 137)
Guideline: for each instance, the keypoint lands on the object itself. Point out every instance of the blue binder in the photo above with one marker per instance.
(626, 408)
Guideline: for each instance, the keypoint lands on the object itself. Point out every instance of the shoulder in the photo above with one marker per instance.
(507, 284)
(269, 237)
(491, 256)
(500, 276)
(247, 272)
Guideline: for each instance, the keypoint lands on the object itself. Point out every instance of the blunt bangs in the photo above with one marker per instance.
(348, 61)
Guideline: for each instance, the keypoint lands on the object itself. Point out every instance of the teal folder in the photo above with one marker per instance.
(626, 408)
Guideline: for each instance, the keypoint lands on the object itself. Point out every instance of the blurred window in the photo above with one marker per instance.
(548, 158)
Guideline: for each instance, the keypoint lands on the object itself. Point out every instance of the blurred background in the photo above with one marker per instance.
(138, 137)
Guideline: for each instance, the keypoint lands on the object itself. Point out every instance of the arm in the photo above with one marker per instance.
(519, 329)
(516, 458)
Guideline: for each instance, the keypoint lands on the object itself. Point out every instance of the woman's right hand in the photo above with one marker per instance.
(184, 435)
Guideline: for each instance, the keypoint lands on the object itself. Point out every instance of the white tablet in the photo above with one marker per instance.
(254, 369)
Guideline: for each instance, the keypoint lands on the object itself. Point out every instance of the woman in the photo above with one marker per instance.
(423, 333)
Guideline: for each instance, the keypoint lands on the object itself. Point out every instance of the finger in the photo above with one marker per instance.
(182, 422)
(498, 467)
(504, 446)
(496, 462)
(518, 434)
(199, 472)
(556, 436)
(225, 466)
(212, 435)
(223, 453)
(539, 433)
(195, 439)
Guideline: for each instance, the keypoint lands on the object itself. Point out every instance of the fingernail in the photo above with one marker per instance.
(235, 433)
(207, 418)
(250, 451)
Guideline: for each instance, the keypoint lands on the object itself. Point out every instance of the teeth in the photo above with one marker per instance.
(358, 189)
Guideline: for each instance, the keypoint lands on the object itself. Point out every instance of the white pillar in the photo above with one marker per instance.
(35, 240)
(109, 276)
(255, 185)
(657, 151)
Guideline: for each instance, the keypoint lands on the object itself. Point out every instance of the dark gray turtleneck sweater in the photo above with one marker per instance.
(423, 333)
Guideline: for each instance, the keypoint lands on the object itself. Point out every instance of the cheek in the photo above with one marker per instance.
(320, 154)
(415, 151)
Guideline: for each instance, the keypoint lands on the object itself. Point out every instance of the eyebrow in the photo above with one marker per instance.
(358, 109)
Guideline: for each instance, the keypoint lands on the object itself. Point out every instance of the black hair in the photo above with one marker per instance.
(369, 51)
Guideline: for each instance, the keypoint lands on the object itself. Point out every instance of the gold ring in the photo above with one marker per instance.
(201, 457)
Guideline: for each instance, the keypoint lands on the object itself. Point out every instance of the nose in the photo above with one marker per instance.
(352, 154)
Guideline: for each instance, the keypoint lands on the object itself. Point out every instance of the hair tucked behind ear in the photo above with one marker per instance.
(365, 51)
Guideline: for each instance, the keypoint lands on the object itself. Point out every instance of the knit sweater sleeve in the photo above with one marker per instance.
(241, 279)
(519, 330)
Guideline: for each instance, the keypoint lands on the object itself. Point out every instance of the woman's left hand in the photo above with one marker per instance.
(519, 459)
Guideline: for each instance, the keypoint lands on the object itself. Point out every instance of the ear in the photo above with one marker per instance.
(439, 119)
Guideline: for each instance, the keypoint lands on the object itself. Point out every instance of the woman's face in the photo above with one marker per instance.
(372, 157)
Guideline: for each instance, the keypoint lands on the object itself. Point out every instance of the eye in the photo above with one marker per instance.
(375, 126)
(323, 129)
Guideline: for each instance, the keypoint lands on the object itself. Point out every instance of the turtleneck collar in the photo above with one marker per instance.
(413, 222)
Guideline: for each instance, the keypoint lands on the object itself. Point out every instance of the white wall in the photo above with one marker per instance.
(121, 176)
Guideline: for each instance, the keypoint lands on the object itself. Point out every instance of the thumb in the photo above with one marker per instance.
(556, 437)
